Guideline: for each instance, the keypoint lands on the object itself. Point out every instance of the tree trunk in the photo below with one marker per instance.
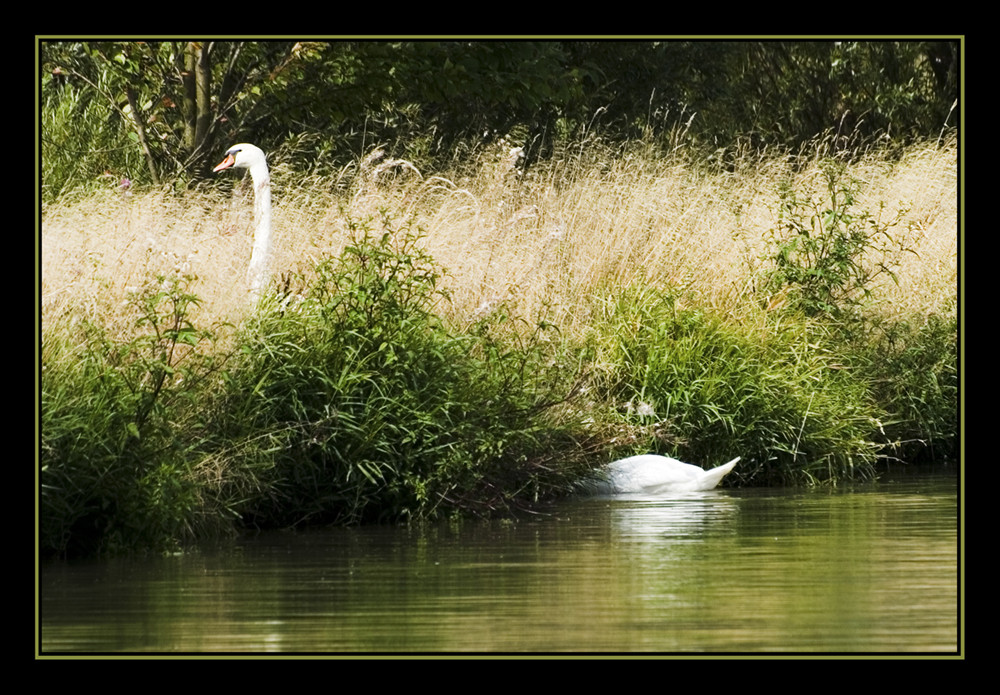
(203, 84)
(198, 116)
(140, 130)
(190, 110)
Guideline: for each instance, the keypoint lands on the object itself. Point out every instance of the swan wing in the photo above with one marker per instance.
(650, 473)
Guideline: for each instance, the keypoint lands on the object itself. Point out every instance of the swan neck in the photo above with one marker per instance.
(262, 198)
(260, 175)
(260, 257)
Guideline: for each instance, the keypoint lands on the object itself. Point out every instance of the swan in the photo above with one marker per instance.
(247, 156)
(652, 474)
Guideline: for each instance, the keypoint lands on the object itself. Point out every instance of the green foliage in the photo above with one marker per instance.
(913, 366)
(367, 407)
(788, 92)
(158, 111)
(156, 121)
(82, 139)
(706, 390)
(353, 402)
(114, 472)
(827, 253)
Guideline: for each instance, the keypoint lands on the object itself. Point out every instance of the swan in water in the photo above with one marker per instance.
(246, 156)
(652, 474)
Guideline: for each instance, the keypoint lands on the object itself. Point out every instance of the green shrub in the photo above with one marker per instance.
(826, 253)
(84, 144)
(114, 471)
(709, 390)
(913, 367)
(367, 407)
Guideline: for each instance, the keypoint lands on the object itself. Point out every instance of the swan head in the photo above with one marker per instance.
(243, 156)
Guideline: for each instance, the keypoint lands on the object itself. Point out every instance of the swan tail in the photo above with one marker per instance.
(713, 477)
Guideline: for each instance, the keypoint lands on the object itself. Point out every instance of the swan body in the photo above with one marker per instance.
(652, 474)
(247, 156)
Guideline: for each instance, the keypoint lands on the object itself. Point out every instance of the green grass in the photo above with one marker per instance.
(767, 388)
(117, 417)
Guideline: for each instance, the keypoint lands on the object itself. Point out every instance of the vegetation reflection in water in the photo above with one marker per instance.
(756, 571)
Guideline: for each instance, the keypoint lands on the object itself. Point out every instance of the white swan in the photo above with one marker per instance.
(246, 156)
(652, 474)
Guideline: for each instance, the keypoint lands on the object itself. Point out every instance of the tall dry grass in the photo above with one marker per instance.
(547, 235)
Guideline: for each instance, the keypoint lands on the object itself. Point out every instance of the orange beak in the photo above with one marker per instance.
(226, 163)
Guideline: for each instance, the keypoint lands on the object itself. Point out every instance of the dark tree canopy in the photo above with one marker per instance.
(163, 109)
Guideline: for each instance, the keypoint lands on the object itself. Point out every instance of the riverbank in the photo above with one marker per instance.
(474, 341)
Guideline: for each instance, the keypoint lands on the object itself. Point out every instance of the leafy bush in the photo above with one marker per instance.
(114, 471)
(710, 390)
(827, 253)
(369, 408)
(352, 402)
(84, 144)
(913, 366)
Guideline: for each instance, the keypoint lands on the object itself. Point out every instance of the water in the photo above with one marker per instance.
(873, 569)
